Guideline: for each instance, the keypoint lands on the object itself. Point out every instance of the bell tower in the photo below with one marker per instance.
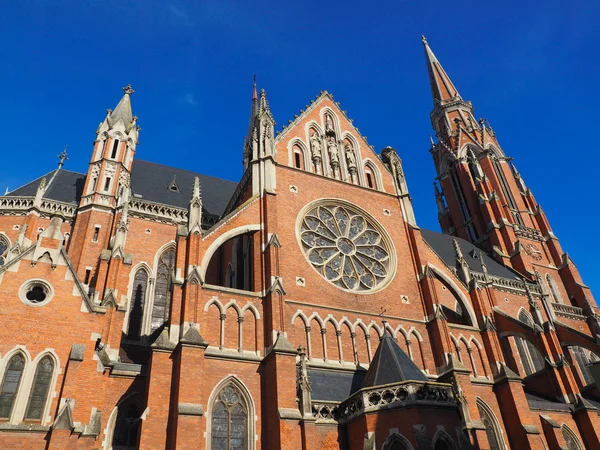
(107, 179)
(481, 196)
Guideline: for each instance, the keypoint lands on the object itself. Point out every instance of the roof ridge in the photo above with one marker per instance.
(30, 182)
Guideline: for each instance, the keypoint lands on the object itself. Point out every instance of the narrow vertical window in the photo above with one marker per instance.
(10, 384)
(297, 163)
(162, 290)
(115, 148)
(88, 273)
(94, 183)
(40, 388)
(136, 307)
(229, 424)
(107, 184)
(127, 426)
(96, 233)
(554, 289)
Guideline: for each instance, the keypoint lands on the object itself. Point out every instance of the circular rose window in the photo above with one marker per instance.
(346, 246)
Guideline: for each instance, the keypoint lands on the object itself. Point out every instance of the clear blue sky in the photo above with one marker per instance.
(531, 68)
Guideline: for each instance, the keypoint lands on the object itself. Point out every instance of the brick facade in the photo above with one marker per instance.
(170, 310)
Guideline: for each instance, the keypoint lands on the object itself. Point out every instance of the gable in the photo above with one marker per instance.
(323, 140)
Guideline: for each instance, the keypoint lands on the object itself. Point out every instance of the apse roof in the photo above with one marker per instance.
(149, 181)
(442, 245)
(391, 365)
(329, 385)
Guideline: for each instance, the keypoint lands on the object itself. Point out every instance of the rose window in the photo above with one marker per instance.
(346, 247)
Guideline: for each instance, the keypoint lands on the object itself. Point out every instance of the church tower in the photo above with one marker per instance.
(107, 179)
(481, 196)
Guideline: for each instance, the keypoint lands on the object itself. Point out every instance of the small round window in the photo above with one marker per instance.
(36, 292)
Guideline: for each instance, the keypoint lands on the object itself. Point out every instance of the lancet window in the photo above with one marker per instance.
(531, 358)
(136, 305)
(3, 249)
(162, 290)
(127, 425)
(230, 420)
(39, 391)
(10, 384)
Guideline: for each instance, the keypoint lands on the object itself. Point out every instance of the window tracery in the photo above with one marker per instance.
(554, 289)
(531, 358)
(10, 384)
(346, 247)
(127, 426)
(229, 422)
(162, 290)
(39, 391)
(584, 357)
(492, 427)
(136, 306)
(3, 249)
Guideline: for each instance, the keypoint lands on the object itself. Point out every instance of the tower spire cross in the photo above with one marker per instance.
(62, 157)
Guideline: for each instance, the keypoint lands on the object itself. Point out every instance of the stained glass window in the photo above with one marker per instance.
(39, 391)
(229, 426)
(10, 384)
(162, 290)
(571, 439)
(492, 429)
(531, 358)
(136, 307)
(346, 247)
(127, 426)
(3, 249)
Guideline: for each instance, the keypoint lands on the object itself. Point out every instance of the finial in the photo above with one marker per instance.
(457, 250)
(62, 157)
(254, 92)
(423, 39)
(197, 189)
(128, 89)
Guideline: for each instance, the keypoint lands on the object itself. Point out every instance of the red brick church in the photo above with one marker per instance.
(145, 306)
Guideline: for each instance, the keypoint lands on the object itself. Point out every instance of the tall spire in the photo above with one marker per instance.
(123, 109)
(442, 88)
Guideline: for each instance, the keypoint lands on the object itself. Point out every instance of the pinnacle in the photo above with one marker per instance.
(123, 109)
(442, 88)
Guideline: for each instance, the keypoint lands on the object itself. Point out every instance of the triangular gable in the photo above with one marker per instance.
(297, 131)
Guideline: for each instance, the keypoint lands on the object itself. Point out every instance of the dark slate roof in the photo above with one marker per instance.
(538, 402)
(442, 245)
(149, 181)
(152, 181)
(391, 365)
(327, 385)
(66, 186)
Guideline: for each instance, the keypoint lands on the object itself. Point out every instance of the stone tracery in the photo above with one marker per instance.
(345, 247)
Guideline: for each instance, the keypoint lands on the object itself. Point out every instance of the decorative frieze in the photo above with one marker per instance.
(17, 206)
(398, 395)
(528, 233)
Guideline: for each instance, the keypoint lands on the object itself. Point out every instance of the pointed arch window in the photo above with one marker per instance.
(162, 290)
(127, 425)
(584, 357)
(3, 249)
(531, 358)
(230, 420)
(10, 384)
(39, 391)
(136, 306)
(571, 439)
(492, 427)
(554, 289)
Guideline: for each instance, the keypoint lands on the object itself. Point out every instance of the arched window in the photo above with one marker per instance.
(136, 305)
(39, 391)
(443, 442)
(557, 298)
(571, 438)
(298, 156)
(370, 177)
(127, 425)
(531, 358)
(492, 427)
(584, 357)
(396, 441)
(10, 384)
(3, 249)
(162, 290)
(230, 426)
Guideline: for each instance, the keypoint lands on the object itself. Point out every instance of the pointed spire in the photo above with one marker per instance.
(442, 88)
(123, 109)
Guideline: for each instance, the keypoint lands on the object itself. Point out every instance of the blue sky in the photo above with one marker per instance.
(529, 67)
